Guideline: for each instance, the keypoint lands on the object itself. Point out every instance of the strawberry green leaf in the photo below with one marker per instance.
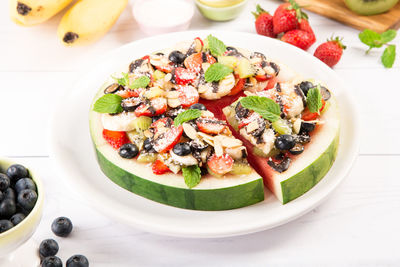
(388, 56)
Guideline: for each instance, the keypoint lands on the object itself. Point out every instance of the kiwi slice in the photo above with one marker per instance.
(240, 168)
(370, 7)
(147, 157)
(142, 123)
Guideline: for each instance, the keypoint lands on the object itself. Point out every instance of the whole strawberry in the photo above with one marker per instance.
(287, 17)
(299, 38)
(304, 25)
(263, 22)
(330, 52)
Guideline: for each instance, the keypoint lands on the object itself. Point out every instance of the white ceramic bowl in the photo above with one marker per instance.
(148, 23)
(15, 237)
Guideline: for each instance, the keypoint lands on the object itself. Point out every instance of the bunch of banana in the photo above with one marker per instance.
(85, 22)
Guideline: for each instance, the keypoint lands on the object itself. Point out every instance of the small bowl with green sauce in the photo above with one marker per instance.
(220, 10)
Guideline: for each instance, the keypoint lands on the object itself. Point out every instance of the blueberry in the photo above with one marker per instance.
(156, 118)
(181, 149)
(16, 172)
(77, 261)
(198, 106)
(17, 218)
(5, 225)
(7, 208)
(52, 261)
(285, 142)
(48, 247)
(61, 226)
(305, 86)
(148, 146)
(27, 199)
(297, 149)
(9, 194)
(176, 57)
(230, 48)
(25, 183)
(4, 182)
(128, 151)
(307, 127)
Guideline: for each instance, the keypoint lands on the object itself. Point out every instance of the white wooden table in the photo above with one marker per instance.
(357, 226)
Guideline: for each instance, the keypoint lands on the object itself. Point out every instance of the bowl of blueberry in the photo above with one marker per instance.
(21, 205)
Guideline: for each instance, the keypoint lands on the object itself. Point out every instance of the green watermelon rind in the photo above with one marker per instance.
(303, 181)
(196, 199)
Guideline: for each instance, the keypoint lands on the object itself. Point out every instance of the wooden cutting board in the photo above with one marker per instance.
(337, 10)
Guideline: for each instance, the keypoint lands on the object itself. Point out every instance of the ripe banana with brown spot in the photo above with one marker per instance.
(32, 12)
(88, 20)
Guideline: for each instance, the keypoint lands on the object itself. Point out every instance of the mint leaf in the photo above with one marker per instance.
(264, 106)
(388, 56)
(140, 82)
(124, 80)
(370, 38)
(388, 36)
(187, 115)
(217, 72)
(314, 99)
(109, 103)
(192, 175)
(216, 46)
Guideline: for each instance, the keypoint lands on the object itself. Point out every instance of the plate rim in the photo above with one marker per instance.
(57, 156)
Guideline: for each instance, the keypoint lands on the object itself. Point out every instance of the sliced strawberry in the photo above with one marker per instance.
(262, 78)
(159, 167)
(184, 76)
(168, 140)
(163, 122)
(194, 62)
(309, 116)
(157, 106)
(201, 41)
(220, 165)
(188, 95)
(271, 83)
(146, 57)
(210, 125)
(238, 86)
(115, 138)
(127, 93)
(165, 68)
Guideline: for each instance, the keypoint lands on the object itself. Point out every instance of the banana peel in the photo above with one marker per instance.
(33, 12)
(88, 20)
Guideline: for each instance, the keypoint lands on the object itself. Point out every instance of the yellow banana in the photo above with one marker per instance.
(32, 12)
(89, 20)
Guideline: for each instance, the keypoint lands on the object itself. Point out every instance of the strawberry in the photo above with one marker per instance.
(157, 106)
(220, 165)
(238, 86)
(195, 61)
(309, 116)
(210, 125)
(330, 52)
(304, 25)
(115, 138)
(184, 76)
(167, 140)
(287, 17)
(159, 167)
(263, 22)
(299, 38)
(188, 95)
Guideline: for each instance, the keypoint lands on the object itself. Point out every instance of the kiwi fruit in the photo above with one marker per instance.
(370, 7)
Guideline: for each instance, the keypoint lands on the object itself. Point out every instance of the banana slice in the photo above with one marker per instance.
(124, 121)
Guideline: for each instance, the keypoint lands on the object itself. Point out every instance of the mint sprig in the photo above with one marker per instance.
(217, 72)
(265, 107)
(192, 175)
(109, 103)
(140, 82)
(124, 80)
(314, 99)
(216, 46)
(187, 115)
(376, 40)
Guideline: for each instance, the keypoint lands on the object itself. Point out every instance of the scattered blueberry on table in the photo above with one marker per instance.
(77, 261)
(52, 261)
(62, 226)
(18, 196)
(48, 247)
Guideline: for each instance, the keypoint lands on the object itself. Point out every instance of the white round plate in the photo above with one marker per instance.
(72, 149)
